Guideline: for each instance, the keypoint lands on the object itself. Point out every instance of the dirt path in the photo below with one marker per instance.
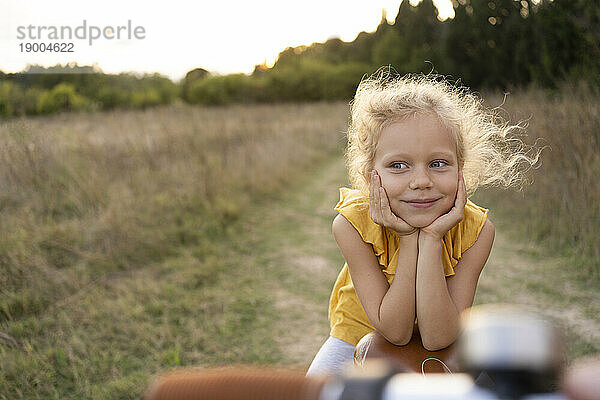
(520, 273)
(304, 259)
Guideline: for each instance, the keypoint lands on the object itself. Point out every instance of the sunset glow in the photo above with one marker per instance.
(223, 37)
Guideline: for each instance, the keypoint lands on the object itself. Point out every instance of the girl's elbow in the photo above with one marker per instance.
(398, 339)
(431, 344)
(435, 339)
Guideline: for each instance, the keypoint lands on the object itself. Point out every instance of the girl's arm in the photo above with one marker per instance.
(440, 300)
(389, 308)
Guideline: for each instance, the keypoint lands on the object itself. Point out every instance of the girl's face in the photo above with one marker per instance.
(416, 160)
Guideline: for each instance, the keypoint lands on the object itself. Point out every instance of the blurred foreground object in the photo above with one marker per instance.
(518, 349)
(235, 384)
(522, 353)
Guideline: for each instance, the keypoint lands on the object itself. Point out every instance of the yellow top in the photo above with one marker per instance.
(347, 318)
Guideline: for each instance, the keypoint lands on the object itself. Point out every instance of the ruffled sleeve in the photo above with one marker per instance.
(354, 206)
(461, 237)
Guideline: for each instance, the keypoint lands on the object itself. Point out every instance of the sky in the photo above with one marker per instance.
(176, 36)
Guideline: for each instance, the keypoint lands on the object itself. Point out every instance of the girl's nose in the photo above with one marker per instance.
(420, 179)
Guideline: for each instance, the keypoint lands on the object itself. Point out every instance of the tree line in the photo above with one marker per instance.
(493, 44)
(488, 44)
(40, 90)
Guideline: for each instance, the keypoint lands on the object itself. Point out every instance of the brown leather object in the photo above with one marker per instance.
(409, 358)
(234, 384)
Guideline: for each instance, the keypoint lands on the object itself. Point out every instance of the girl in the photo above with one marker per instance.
(414, 244)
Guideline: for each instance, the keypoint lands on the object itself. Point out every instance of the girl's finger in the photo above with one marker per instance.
(375, 204)
(372, 192)
(392, 220)
(386, 210)
(378, 189)
(461, 197)
(457, 212)
(384, 206)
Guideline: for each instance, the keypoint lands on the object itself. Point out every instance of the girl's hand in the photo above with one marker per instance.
(381, 213)
(445, 222)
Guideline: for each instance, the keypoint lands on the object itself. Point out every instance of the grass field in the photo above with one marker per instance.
(135, 242)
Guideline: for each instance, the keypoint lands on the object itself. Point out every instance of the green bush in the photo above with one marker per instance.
(312, 80)
(73, 88)
(31, 99)
(145, 98)
(167, 89)
(112, 97)
(5, 106)
(217, 90)
(340, 81)
(307, 80)
(302, 82)
(11, 99)
(63, 97)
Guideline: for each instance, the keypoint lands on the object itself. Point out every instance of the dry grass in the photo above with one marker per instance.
(561, 208)
(83, 195)
(114, 230)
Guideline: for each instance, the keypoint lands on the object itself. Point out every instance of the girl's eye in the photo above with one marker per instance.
(398, 165)
(438, 164)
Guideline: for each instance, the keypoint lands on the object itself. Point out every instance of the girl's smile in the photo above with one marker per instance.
(425, 203)
(416, 160)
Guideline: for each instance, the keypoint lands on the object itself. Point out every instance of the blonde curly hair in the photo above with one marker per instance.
(486, 145)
